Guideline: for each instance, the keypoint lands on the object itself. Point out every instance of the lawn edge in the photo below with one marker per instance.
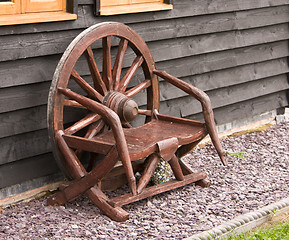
(244, 223)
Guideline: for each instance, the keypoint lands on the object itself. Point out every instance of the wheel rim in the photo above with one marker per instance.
(113, 83)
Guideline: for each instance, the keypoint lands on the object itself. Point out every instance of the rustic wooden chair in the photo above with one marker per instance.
(94, 115)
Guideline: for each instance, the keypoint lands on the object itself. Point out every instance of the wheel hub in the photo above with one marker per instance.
(125, 107)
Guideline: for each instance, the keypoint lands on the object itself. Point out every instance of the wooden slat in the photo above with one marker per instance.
(228, 77)
(87, 144)
(35, 70)
(24, 146)
(216, 42)
(150, 191)
(214, 23)
(189, 8)
(24, 120)
(251, 108)
(27, 169)
(231, 95)
(182, 9)
(57, 42)
(31, 70)
(222, 60)
(24, 96)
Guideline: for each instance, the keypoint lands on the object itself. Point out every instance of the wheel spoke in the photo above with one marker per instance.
(94, 129)
(90, 118)
(130, 72)
(118, 62)
(85, 86)
(106, 67)
(136, 89)
(145, 112)
(97, 80)
(127, 125)
(72, 103)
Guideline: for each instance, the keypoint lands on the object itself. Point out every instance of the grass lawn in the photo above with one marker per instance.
(275, 229)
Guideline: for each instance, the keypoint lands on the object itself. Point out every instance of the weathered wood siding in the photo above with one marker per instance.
(235, 50)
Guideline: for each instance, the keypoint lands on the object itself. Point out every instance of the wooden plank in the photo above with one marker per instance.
(24, 146)
(185, 47)
(230, 95)
(227, 77)
(24, 96)
(199, 25)
(188, 8)
(181, 9)
(225, 59)
(27, 169)
(56, 42)
(31, 70)
(251, 108)
(150, 191)
(41, 69)
(51, 43)
(247, 109)
(24, 120)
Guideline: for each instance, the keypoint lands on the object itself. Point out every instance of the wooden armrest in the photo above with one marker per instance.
(206, 107)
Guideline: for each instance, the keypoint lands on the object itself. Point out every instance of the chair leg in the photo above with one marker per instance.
(177, 170)
(101, 201)
(81, 185)
(148, 172)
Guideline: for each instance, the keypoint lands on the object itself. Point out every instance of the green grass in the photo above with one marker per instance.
(238, 154)
(276, 232)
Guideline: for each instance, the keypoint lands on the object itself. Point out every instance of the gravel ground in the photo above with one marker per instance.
(259, 178)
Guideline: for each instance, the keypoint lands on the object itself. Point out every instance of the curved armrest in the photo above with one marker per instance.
(206, 106)
(113, 120)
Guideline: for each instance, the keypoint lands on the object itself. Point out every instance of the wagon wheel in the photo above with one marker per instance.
(116, 86)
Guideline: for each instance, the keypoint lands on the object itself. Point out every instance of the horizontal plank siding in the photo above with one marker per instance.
(56, 42)
(228, 77)
(235, 50)
(34, 167)
(33, 95)
(25, 145)
(182, 9)
(22, 121)
(247, 109)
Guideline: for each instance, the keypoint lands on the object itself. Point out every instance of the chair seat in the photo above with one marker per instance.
(142, 140)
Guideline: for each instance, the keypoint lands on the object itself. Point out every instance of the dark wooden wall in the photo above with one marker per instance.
(235, 50)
